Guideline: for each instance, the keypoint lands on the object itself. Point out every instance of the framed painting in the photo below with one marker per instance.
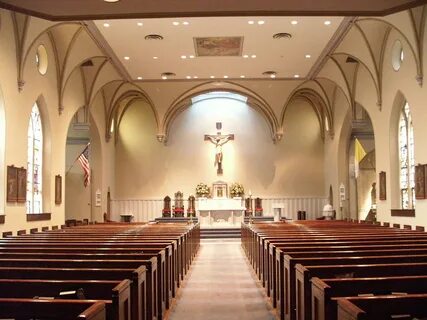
(383, 190)
(22, 185)
(58, 189)
(420, 186)
(12, 184)
(218, 46)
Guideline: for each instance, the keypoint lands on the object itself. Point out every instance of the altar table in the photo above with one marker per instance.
(220, 213)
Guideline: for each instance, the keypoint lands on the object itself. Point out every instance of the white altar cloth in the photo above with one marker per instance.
(220, 213)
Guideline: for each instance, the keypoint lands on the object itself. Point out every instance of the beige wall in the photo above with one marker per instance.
(146, 168)
(137, 165)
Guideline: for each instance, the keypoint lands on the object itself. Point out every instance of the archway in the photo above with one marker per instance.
(82, 186)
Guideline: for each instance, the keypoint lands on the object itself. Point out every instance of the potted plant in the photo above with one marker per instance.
(237, 190)
(202, 190)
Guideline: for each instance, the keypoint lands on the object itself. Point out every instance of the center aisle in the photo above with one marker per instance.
(221, 285)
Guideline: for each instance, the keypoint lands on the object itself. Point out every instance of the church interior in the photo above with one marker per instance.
(259, 159)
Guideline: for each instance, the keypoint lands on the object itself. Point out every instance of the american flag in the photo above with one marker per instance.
(84, 161)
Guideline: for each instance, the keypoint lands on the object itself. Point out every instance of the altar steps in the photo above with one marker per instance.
(212, 233)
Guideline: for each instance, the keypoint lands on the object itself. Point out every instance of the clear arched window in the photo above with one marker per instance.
(35, 161)
(407, 159)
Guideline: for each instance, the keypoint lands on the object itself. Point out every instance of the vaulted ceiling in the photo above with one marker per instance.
(98, 9)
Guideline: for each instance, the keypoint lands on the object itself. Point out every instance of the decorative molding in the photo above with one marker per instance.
(38, 216)
(336, 39)
(77, 141)
(21, 84)
(402, 212)
(100, 41)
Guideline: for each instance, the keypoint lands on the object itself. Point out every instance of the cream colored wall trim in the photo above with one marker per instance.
(100, 41)
(336, 39)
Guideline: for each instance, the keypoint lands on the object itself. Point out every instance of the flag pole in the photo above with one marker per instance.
(77, 158)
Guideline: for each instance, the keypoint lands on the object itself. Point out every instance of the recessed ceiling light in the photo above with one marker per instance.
(261, 22)
(155, 58)
(111, 1)
(296, 76)
(106, 25)
(195, 77)
(327, 23)
(127, 58)
(164, 77)
(212, 77)
(175, 23)
(186, 23)
(191, 57)
(242, 76)
(188, 77)
(253, 56)
(251, 22)
(245, 56)
(183, 57)
(272, 76)
(308, 56)
(294, 22)
(139, 78)
(140, 24)
(225, 77)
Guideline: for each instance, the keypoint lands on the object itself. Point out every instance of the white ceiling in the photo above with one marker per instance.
(287, 57)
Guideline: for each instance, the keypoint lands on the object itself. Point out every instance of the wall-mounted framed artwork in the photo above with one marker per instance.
(58, 189)
(420, 181)
(383, 190)
(12, 184)
(22, 185)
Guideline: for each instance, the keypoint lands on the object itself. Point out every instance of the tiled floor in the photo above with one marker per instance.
(221, 286)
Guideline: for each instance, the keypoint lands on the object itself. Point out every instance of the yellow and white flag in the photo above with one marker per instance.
(359, 154)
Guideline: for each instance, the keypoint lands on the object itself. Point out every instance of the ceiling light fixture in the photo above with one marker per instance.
(111, 1)
(212, 77)
(140, 24)
(188, 77)
(327, 23)
(294, 22)
(260, 22)
(242, 76)
(307, 56)
(253, 56)
(139, 78)
(195, 77)
(245, 56)
(296, 76)
(155, 58)
(225, 77)
(271, 74)
(166, 75)
(191, 57)
(183, 57)
(175, 23)
(186, 23)
(251, 22)
(106, 25)
(127, 58)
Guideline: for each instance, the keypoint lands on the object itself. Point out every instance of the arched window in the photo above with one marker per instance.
(407, 159)
(35, 161)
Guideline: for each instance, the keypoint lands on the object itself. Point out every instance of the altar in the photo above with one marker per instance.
(220, 213)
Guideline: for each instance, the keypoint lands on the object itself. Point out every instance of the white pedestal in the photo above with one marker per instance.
(278, 210)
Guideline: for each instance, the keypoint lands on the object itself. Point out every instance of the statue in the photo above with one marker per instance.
(219, 140)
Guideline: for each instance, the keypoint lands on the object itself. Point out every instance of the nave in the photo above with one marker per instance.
(221, 285)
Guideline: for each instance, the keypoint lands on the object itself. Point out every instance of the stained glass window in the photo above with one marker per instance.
(35, 160)
(407, 159)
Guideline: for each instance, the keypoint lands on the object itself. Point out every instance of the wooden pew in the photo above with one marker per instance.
(137, 286)
(44, 309)
(323, 290)
(405, 307)
(115, 294)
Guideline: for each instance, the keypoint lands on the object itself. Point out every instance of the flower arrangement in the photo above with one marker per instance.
(202, 190)
(237, 190)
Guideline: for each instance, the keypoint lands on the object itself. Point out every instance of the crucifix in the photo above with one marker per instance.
(219, 140)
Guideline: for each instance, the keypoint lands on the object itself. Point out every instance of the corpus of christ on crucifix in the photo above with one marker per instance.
(219, 140)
